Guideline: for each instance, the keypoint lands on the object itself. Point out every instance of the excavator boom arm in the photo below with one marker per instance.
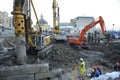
(89, 26)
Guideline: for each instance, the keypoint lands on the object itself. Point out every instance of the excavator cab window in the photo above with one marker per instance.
(40, 41)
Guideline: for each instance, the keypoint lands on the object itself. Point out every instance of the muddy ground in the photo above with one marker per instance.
(64, 56)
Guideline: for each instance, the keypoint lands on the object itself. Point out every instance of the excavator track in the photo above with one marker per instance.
(79, 47)
(44, 52)
(33, 55)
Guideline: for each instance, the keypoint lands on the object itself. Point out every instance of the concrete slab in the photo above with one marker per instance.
(50, 74)
(24, 69)
(18, 77)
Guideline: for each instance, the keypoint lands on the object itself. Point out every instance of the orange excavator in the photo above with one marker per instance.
(82, 38)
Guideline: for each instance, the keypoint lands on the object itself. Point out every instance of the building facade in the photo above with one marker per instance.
(43, 24)
(6, 21)
(81, 21)
(6, 24)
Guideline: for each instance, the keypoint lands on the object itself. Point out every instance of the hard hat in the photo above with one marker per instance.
(81, 59)
(98, 67)
(95, 67)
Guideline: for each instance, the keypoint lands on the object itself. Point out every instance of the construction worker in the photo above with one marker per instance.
(82, 68)
(98, 68)
(117, 66)
(96, 72)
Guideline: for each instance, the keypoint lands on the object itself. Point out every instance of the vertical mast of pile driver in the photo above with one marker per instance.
(19, 24)
(55, 21)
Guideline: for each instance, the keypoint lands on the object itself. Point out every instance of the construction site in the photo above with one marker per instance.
(43, 54)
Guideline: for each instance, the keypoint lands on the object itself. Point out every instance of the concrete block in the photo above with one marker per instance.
(18, 77)
(24, 69)
(50, 74)
(40, 76)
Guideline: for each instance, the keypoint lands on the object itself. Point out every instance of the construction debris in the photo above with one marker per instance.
(63, 56)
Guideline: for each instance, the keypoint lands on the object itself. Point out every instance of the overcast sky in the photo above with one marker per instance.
(108, 9)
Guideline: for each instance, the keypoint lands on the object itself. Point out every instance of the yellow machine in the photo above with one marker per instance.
(58, 35)
(35, 40)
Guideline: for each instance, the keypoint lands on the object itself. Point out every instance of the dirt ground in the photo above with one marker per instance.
(65, 56)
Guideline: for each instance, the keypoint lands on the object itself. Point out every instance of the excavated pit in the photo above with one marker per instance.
(64, 56)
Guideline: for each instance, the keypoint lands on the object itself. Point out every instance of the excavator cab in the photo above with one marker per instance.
(41, 41)
(76, 41)
(105, 38)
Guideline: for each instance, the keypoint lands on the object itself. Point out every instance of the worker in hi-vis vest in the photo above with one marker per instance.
(82, 68)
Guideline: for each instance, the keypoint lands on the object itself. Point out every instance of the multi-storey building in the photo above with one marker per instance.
(10, 21)
(66, 27)
(6, 24)
(81, 21)
(6, 20)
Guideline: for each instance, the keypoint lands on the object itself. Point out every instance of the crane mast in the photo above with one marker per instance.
(55, 21)
(54, 13)
(58, 35)
(19, 24)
